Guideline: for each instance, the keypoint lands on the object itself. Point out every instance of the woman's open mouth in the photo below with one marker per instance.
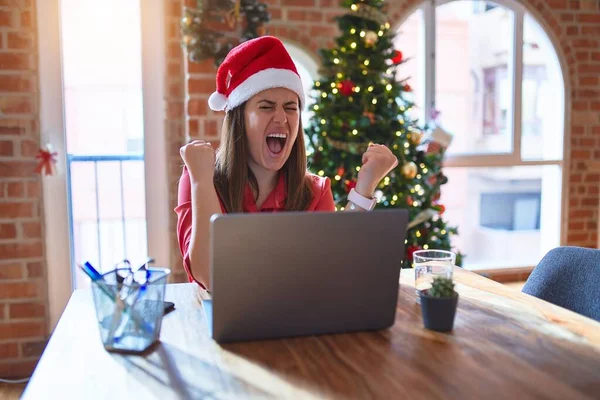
(276, 142)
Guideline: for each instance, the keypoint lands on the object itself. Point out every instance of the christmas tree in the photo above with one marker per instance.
(359, 100)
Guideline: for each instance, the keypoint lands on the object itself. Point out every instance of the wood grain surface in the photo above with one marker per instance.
(11, 391)
(505, 345)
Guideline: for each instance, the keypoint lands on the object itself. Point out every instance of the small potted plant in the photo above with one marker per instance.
(438, 305)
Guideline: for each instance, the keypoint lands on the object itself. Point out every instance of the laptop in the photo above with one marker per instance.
(298, 273)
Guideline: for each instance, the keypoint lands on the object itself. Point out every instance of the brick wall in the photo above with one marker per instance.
(175, 122)
(575, 24)
(23, 297)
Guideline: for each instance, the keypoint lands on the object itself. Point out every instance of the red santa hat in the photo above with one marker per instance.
(251, 67)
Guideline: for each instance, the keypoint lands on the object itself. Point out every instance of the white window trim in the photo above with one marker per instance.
(155, 147)
(56, 220)
(52, 127)
(503, 159)
(303, 58)
(429, 15)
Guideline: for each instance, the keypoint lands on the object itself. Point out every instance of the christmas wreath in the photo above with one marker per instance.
(204, 28)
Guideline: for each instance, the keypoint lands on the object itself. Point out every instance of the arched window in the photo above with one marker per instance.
(492, 73)
(308, 70)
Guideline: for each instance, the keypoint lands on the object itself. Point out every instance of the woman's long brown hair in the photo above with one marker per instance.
(232, 172)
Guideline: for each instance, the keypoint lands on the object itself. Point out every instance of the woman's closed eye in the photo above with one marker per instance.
(270, 108)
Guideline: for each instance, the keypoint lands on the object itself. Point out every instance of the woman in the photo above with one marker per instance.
(260, 165)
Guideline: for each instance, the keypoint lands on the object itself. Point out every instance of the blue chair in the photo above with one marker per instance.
(568, 277)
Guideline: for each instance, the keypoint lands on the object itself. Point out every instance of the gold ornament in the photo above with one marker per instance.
(371, 38)
(415, 137)
(409, 170)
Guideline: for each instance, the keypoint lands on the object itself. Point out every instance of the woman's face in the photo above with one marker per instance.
(272, 119)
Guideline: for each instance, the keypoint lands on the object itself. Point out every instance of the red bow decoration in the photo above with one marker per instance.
(439, 208)
(47, 161)
(369, 115)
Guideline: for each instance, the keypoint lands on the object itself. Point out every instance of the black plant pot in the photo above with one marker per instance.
(438, 312)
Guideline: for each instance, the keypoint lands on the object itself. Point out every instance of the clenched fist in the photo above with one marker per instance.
(199, 158)
(377, 161)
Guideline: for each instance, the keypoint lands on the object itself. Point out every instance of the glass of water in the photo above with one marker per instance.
(429, 264)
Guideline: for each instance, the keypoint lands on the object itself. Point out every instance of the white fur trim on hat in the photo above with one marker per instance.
(217, 101)
(266, 79)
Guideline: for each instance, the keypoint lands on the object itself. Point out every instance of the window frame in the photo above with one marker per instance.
(500, 159)
(59, 265)
(514, 158)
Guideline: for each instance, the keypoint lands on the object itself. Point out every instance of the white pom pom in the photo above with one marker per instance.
(217, 101)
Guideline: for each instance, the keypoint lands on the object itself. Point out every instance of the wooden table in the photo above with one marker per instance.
(505, 345)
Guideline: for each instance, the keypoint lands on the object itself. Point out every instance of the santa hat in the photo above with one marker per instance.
(251, 67)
